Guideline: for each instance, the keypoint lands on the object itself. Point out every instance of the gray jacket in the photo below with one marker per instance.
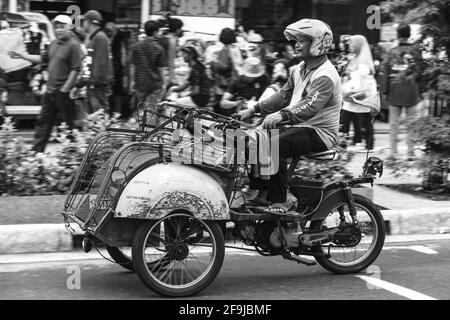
(312, 97)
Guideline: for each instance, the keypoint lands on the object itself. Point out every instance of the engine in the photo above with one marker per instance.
(266, 235)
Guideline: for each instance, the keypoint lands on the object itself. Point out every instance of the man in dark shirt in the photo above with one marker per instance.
(250, 85)
(64, 63)
(148, 68)
(119, 50)
(102, 75)
(198, 80)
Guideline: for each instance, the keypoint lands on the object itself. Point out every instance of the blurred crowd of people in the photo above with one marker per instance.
(99, 67)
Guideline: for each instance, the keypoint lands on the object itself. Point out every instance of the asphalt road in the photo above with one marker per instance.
(405, 270)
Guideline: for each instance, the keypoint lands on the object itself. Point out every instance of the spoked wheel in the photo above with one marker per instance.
(178, 255)
(359, 246)
(122, 256)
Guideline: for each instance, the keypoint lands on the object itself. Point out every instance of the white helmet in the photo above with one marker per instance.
(318, 31)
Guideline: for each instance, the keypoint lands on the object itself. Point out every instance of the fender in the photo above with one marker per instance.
(331, 197)
(163, 188)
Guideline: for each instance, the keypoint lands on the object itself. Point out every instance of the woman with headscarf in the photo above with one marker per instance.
(359, 82)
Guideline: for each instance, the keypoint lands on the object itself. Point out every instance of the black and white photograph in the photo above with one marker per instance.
(217, 158)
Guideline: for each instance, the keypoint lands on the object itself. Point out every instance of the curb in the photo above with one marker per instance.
(418, 221)
(40, 238)
(26, 238)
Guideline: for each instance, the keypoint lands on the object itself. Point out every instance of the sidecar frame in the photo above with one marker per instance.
(101, 220)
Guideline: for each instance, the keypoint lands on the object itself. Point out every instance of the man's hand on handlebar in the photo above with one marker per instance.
(246, 114)
(272, 121)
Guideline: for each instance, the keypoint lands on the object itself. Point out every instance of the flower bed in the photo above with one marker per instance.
(24, 172)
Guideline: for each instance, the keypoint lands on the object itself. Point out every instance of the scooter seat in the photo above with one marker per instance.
(329, 155)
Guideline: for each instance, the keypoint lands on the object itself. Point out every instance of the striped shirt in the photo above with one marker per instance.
(148, 56)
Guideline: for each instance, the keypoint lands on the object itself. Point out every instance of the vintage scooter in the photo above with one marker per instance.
(132, 191)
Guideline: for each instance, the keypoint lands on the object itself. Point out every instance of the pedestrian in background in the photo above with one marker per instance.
(359, 82)
(175, 32)
(148, 69)
(225, 67)
(279, 77)
(285, 52)
(248, 86)
(198, 80)
(99, 88)
(63, 60)
(402, 76)
(163, 37)
(119, 50)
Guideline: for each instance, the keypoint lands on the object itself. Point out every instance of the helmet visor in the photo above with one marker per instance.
(295, 35)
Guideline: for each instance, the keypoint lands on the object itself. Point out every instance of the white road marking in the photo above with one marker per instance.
(423, 249)
(401, 291)
(416, 238)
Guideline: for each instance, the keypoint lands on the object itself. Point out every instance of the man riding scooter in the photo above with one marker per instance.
(310, 102)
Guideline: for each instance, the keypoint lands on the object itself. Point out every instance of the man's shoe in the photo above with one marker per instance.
(284, 207)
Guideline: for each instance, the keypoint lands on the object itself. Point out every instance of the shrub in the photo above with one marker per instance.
(324, 170)
(432, 134)
(24, 172)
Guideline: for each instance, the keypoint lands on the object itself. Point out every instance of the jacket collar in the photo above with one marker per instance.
(315, 62)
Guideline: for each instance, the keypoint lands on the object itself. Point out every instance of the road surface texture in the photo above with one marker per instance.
(410, 267)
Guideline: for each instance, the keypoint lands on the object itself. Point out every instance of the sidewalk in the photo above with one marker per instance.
(33, 229)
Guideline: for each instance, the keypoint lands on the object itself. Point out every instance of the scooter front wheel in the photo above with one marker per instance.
(352, 256)
(178, 255)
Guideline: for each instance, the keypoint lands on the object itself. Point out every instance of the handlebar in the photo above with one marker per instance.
(232, 121)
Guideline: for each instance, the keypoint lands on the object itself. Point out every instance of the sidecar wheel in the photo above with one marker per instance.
(353, 258)
(124, 259)
(171, 258)
(120, 257)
